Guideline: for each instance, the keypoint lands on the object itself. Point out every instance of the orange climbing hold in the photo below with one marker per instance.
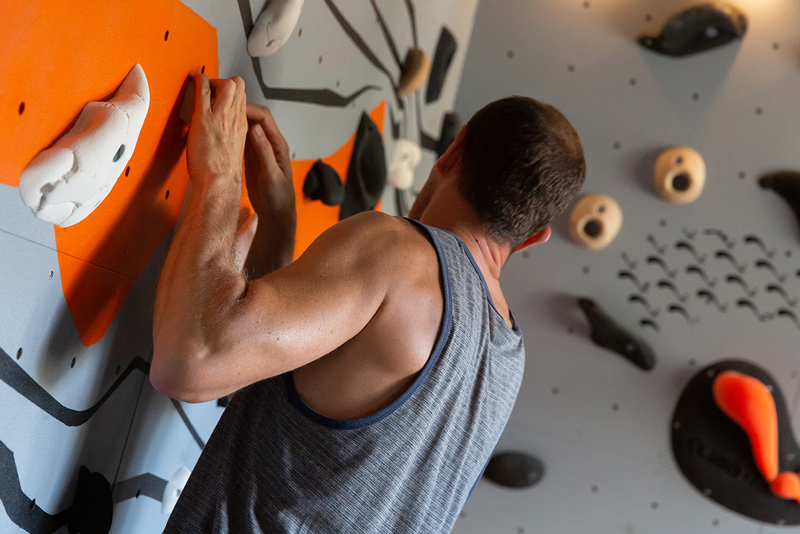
(749, 403)
(786, 486)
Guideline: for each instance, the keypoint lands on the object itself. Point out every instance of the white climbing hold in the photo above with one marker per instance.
(405, 159)
(63, 184)
(173, 489)
(273, 27)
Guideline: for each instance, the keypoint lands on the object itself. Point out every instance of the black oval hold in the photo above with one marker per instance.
(120, 152)
(445, 50)
(323, 183)
(366, 176)
(515, 470)
(93, 508)
(698, 28)
(681, 182)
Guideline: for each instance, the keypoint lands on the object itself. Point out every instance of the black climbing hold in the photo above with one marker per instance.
(714, 453)
(699, 28)
(442, 58)
(787, 185)
(450, 126)
(223, 402)
(94, 507)
(514, 470)
(366, 176)
(323, 183)
(608, 334)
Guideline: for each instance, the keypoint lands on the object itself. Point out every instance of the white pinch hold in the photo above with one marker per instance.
(273, 27)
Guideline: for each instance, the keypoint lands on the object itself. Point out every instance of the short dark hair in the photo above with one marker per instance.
(522, 165)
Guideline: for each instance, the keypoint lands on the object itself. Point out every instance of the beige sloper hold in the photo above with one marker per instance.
(595, 221)
(679, 175)
(416, 69)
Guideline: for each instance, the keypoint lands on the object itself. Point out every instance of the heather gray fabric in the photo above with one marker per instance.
(273, 465)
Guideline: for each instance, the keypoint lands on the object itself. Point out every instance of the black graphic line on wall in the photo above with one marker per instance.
(751, 239)
(322, 97)
(775, 288)
(363, 47)
(677, 308)
(689, 234)
(728, 242)
(13, 375)
(147, 484)
(658, 261)
(764, 264)
(649, 322)
(659, 248)
(632, 264)
(685, 245)
(736, 279)
(783, 312)
(641, 287)
(724, 254)
(413, 18)
(711, 298)
(189, 425)
(387, 35)
(662, 284)
(23, 511)
(653, 312)
(747, 303)
(696, 269)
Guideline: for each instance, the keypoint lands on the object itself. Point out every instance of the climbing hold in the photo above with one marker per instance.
(699, 28)
(608, 334)
(173, 489)
(679, 175)
(715, 454)
(63, 184)
(273, 27)
(749, 403)
(787, 185)
(416, 68)
(442, 58)
(514, 470)
(323, 183)
(786, 486)
(451, 124)
(595, 221)
(93, 508)
(406, 157)
(366, 176)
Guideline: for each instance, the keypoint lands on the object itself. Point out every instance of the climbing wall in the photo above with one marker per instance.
(81, 417)
(717, 279)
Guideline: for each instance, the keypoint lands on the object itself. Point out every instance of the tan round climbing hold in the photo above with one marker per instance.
(416, 69)
(595, 221)
(679, 175)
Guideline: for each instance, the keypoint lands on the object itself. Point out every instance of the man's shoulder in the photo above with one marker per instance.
(393, 239)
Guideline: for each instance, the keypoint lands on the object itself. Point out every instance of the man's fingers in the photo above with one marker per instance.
(263, 116)
(224, 94)
(202, 93)
(264, 149)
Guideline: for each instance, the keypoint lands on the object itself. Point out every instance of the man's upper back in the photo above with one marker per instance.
(404, 464)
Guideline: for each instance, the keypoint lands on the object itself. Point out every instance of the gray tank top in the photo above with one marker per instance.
(274, 465)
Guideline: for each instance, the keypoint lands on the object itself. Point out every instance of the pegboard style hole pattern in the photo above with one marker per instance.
(595, 489)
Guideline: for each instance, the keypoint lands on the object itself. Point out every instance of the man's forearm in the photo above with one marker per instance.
(272, 247)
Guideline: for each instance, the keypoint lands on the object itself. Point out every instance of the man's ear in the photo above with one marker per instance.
(452, 157)
(539, 237)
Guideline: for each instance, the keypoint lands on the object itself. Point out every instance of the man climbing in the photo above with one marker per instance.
(374, 374)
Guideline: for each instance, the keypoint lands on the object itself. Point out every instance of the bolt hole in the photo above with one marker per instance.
(320, 60)
(571, 68)
(662, 223)
(632, 82)
(21, 108)
(510, 54)
(759, 111)
(203, 69)
(715, 522)
(71, 365)
(555, 391)
(300, 32)
(166, 35)
(617, 145)
(138, 492)
(742, 175)
(52, 272)
(166, 197)
(19, 353)
(654, 505)
(526, 254)
(695, 96)
(595, 489)
(586, 271)
(615, 407)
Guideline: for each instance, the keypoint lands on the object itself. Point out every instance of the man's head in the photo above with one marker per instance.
(518, 163)
(522, 165)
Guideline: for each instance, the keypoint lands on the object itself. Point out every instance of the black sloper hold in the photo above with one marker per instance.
(714, 453)
(514, 470)
(323, 183)
(94, 507)
(610, 335)
(442, 58)
(699, 28)
(366, 176)
(787, 185)
(450, 126)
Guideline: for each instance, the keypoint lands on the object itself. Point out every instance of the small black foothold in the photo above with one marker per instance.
(442, 58)
(515, 470)
(608, 334)
(698, 28)
(323, 183)
(223, 402)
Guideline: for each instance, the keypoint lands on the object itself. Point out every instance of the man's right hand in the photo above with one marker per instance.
(268, 172)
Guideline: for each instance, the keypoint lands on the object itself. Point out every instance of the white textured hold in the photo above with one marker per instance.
(406, 157)
(63, 184)
(273, 27)
(173, 489)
